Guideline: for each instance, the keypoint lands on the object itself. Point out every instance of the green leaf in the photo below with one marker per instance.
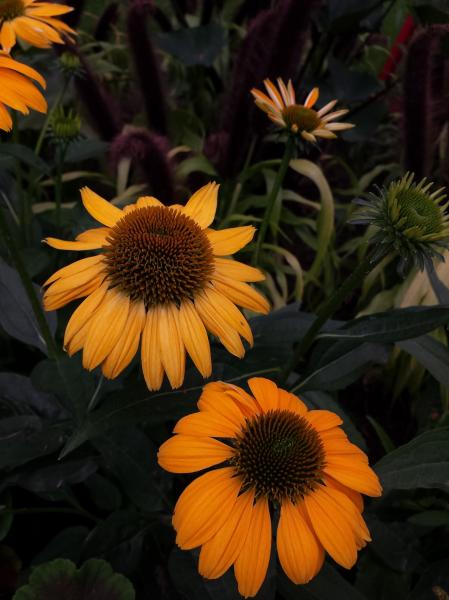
(67, 380)
(422, 463)
(25, 438)
(383, 436)
(194, 45)
(131, 457)
(26, 156)
(16, 314)
(60, 579)
(393, 325)
(84, 150)
(344, 369)
(327, 585)
(430, 353)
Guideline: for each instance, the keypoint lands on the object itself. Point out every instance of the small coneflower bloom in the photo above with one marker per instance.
(162, 278)
(17, 91)
(34, 22)
(282, 108)
(269, 451)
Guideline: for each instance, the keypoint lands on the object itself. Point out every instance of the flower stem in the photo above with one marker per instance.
(288, 153)
(48, 118)
(28, 285)
(328, 309)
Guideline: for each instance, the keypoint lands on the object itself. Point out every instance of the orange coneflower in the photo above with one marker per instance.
(17, 91)
(32, 21)
(161, 275)
(281, 107)
(272, 451)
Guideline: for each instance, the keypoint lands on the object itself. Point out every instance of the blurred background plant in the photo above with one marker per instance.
(153, 97)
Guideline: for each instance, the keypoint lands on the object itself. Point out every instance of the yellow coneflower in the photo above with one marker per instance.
(272, 451)
(162, 275)
(17, 91)
(281, 107)
(34, 22)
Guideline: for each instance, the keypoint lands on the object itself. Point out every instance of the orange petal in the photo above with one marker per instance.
(187, 454)
(171, 344)
(312, 98)
(194, 336)
(323, 419)
(205, 506)
(237, 270)
(288, 401)
(265, 391)
(241, 294)
(300, 553)
(251, 565)
(221, 551)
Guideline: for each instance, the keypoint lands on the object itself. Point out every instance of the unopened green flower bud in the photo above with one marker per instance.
(410, 218)
(70, 64)
(65, 126)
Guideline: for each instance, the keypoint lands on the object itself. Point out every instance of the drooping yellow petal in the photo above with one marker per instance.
(230, 313)
(217, 325)
(67, 245)
(300, 553)
(100, 209)
(251, 565)
(202, 206)
(74, 268)
(241, 294)
(105, 329)
(354, 473)
(171, 345)
(237, 270)
(96, 235)
(7, 36)
(151, 355)
(82, 314)
(227, 241)
(187, 454)
(194, 336)
(123, 353)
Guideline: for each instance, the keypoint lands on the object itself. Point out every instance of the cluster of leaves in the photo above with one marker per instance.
(78, 453)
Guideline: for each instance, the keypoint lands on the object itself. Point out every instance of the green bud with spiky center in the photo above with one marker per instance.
(410, 218)
(65, 126)
(70, 64)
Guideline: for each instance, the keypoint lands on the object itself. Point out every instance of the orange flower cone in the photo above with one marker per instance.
(267, 449)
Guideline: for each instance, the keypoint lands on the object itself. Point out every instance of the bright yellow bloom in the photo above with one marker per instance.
(161, 276)
(272, 450)
(281, 107)
(32, 21)
(17, 91)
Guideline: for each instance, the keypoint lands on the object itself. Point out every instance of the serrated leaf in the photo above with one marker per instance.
(422, 463)
(60, 579)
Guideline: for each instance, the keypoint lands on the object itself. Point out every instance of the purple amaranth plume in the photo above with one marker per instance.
(103, 112)
(424, 104)
(106, 21)
(294, 17)
(249, 70)
(148, 153)
(146, 64)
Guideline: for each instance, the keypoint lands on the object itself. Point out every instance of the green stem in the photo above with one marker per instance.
(328, 309)
(28, 285)
(288, 153)
(58, 183)
(50, 114)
